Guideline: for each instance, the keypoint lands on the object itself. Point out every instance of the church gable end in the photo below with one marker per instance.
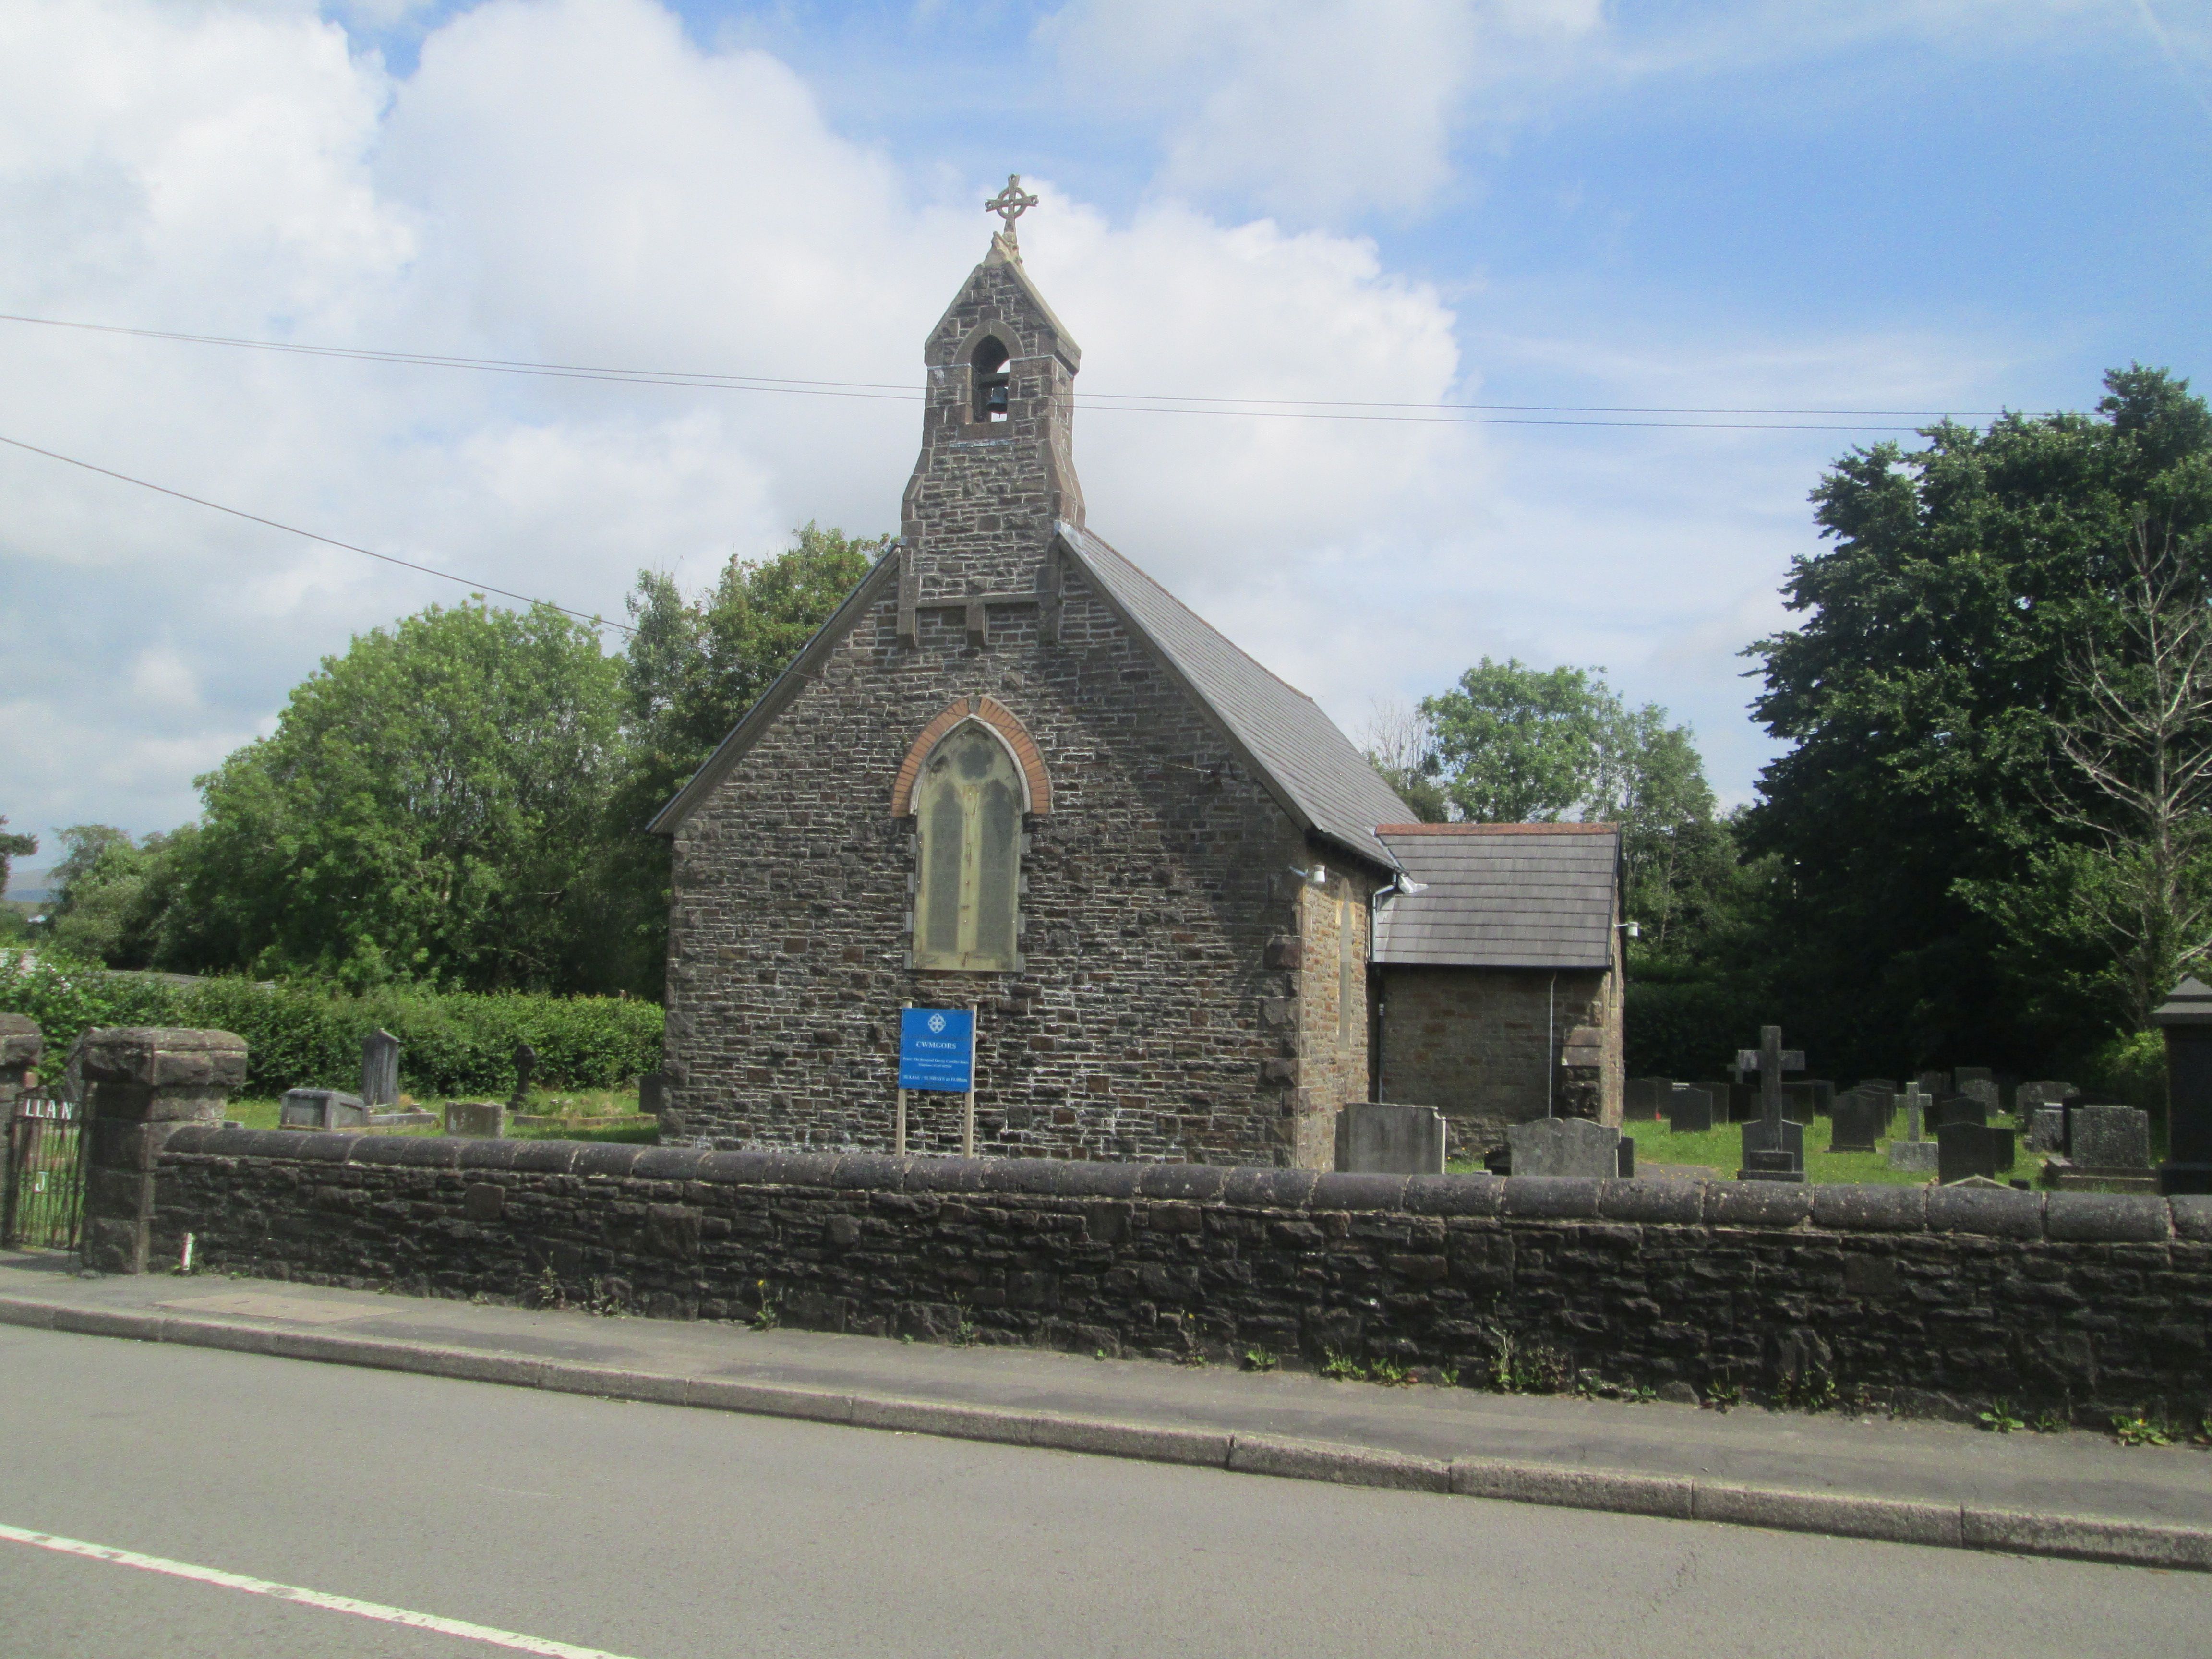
(982, 785)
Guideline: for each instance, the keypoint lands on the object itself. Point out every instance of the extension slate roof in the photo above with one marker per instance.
(1502, 896)
(1312, 767)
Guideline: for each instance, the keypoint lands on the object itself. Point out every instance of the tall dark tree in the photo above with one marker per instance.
(1924, 695)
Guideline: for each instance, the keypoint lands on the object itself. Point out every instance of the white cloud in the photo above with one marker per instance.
(1327, 107)
(576, 182)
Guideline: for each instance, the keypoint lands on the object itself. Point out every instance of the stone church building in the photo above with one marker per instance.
(1013, 772)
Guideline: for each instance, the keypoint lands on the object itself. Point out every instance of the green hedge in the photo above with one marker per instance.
(1683, 1029)
(298, 1035)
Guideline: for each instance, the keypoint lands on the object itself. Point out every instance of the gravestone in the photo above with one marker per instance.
(2046, 1128)
(1564, 1146)
(1912, 1150)
(1934, 1085)
(1967, 1150)
(1961, 1109)
(1962, 1075)
(1690, 1108)
(2106, 1145)
(321, 1108)
(1982, 1088)
(1647, 1097)
(1774, 1144)
(1857, 1119)
(477, 1119)
(526, 1062)
(2046, 1091)
(652, 1093)
(1803, 1100)
(1372, 1139)
(1773, 1150)
(1887, 1085)
(380, 1069)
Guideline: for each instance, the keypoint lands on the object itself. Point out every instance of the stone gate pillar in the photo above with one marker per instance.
(2186, 1019)
(141, 1084)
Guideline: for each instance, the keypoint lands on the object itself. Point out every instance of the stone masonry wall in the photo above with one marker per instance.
(1470, 1041)
(1155, 1013)
(1925, 1300)
(1333, 1043)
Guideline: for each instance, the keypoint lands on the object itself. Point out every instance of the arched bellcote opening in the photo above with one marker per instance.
(987, 374)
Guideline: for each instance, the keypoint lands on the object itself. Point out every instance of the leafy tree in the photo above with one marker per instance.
(12, 846)
(694, 667)
(1514, 743)
(109, 894)
(428, 810)
(1927, 799)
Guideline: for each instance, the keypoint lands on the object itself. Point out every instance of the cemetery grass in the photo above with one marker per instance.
(1722, 1148)
(563, 1103)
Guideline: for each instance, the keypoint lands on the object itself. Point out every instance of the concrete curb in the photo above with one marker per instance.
(1951, 1526)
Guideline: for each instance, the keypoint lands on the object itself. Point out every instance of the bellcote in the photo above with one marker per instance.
(996, 466)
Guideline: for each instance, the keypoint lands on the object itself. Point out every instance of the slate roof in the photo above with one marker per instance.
(1502, 896)
(1314, 769)
(1321, 779)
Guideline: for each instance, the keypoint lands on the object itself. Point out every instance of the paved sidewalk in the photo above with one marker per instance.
(2074, 1494)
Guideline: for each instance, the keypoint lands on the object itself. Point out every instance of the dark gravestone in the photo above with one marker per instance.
(2186, 1019)
(1772, 1150)
(1379, 1140)
(1981, 1088)
(1807, 1099)
(1628, 1158)
(1857, 1119)
(652, 1093)
(1564, 1146)
(526, 1062)
(1962, 1075)
(380, 1069)
(1690, 1108)
(321, 1108)
(1647, 1098)
(1733, 1101)
(2112, 1141)
(1967, 1150)
(1961, 1109)
(2044, 1091)
(2046, 1128)
(1774, 1145)
(1934, 1085)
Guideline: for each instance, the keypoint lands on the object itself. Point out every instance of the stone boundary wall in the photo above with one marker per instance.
(1928, 1300)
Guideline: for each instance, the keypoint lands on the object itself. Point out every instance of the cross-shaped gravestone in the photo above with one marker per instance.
(1773, 1146)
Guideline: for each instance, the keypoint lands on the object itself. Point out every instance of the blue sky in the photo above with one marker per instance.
(1944, 206)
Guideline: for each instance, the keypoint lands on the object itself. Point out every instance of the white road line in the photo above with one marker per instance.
(503, 1638)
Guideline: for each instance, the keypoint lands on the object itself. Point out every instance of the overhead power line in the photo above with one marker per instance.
(1466, 414)
(592, 617)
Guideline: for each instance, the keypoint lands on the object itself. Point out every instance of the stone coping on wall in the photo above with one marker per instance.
(2002, 1213)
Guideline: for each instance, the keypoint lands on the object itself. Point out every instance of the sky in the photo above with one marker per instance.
(1295, 212)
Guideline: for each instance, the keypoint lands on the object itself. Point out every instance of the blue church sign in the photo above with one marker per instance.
(936, 1049)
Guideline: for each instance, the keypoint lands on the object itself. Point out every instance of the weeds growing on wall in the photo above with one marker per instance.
(306, 1036)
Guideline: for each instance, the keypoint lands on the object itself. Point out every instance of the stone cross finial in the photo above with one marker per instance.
(1011, 203)
(1770, 1060)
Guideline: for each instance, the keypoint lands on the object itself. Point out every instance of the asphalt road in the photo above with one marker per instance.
(658, 1533)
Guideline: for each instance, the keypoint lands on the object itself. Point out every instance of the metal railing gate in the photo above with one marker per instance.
(42, 1201)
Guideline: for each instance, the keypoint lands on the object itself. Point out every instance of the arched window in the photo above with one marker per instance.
(969, 804)
(988, 371)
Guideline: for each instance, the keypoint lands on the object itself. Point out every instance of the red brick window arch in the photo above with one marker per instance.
(968, 782)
